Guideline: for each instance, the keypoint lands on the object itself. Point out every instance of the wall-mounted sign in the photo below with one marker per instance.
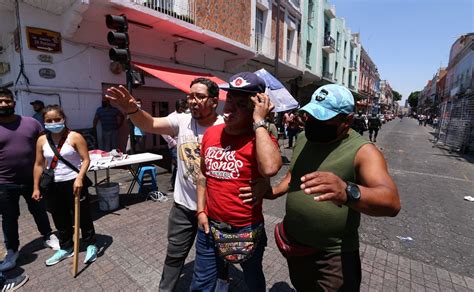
(43, 40)
(47, 73)
(45, 58)
(4, 68)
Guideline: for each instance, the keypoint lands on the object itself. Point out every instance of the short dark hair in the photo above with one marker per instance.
(212, 87)
(6, 92)
(54, 107)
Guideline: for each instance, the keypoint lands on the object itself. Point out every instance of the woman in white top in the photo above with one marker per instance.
(67, 184)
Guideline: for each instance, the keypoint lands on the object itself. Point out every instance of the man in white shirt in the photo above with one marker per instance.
(189, 129)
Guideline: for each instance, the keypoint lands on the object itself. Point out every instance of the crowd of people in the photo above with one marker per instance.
(223, 168)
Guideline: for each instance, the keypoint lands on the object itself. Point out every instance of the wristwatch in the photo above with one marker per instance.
(352, 192)
(259, 124)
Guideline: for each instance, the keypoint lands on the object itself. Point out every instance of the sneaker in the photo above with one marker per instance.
(59, 256)
(52, 242)
(14, 283)
(91, 254)
(9, 262)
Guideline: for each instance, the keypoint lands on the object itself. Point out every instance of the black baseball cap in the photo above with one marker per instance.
(37, 102)
(247, 82)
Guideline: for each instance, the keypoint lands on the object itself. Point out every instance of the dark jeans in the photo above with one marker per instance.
(208, 265)
(174, 165)
(292, 133)
(375, 132)
(326, 271)
(10, 211)
(182, 227)
(60, 200)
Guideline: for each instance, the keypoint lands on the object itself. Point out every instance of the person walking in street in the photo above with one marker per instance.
(293, 127)
(374, 126)
(139, 140)
(335, 175)
(38, 107)
(189, 128)
(180, 107)
(18, 136)
(69, 181)
(111, 119)
(232, 155)
(359, 124)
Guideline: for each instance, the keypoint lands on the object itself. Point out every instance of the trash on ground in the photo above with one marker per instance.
(469, 198)
(402, 238)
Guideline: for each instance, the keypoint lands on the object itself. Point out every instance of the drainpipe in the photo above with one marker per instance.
(277, 39)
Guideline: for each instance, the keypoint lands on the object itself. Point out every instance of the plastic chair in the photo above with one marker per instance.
(151, 171)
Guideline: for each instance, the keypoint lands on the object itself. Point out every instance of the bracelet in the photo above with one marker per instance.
(197, 214)
(134, 112)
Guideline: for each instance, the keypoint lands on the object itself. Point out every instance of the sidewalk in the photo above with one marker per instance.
(132, 242)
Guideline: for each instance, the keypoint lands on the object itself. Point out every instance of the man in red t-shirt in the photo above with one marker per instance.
(234, 154)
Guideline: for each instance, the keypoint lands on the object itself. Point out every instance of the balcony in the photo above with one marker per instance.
(329, 45)
(184, 10)
(353, 65)
(327, 75)
(330, 10)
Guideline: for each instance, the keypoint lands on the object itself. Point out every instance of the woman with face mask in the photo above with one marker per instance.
(68, 183)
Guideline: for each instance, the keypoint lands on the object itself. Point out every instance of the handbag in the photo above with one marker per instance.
(87, 182)
(290, 248)
(47, 176)
(235, 247)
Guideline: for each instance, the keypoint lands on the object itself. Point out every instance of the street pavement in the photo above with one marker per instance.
(431, 182)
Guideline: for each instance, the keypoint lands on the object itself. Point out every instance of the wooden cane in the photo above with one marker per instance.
(77, 209)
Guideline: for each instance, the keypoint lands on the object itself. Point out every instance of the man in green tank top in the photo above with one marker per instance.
(334, 175)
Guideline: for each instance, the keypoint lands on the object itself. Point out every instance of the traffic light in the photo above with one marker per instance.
(118, 38)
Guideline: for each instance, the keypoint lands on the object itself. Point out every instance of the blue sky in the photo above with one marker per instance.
(407, 39)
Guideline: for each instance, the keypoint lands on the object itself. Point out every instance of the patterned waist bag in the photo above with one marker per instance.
(234, 245)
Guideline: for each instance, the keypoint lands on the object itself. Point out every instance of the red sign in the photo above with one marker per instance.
(43, 40)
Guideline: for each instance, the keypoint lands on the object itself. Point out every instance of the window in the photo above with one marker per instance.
(345, 48)
(335, 71)
(310, 11)
(338, 41)
(289, 43)
(343, 75)
(308, 54)
(259, 29)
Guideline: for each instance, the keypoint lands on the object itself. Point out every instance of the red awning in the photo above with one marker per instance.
(181, 79)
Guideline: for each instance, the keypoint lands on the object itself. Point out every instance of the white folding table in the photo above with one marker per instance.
(106, 163)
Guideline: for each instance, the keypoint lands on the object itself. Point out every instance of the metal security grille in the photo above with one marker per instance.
(455, 126)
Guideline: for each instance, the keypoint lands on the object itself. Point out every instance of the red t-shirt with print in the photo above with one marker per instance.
(231, 163)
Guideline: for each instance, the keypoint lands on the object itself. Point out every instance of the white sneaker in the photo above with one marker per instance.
(52, 242)
(9, 262)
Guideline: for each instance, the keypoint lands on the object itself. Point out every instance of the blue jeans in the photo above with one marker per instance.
(208, 265)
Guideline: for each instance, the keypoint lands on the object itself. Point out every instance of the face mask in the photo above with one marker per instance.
(6, 112)
(54, 127)
(317, 131)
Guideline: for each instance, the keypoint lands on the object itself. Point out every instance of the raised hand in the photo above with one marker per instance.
(120, 97)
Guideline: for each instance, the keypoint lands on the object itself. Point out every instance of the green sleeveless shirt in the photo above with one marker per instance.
(323, 225)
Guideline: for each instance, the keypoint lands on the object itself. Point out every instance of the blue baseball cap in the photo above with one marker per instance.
(328, 101)
(247, 82)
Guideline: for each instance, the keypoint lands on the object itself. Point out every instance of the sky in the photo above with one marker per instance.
(408, 40)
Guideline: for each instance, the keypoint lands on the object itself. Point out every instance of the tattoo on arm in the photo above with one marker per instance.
(202, 181)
